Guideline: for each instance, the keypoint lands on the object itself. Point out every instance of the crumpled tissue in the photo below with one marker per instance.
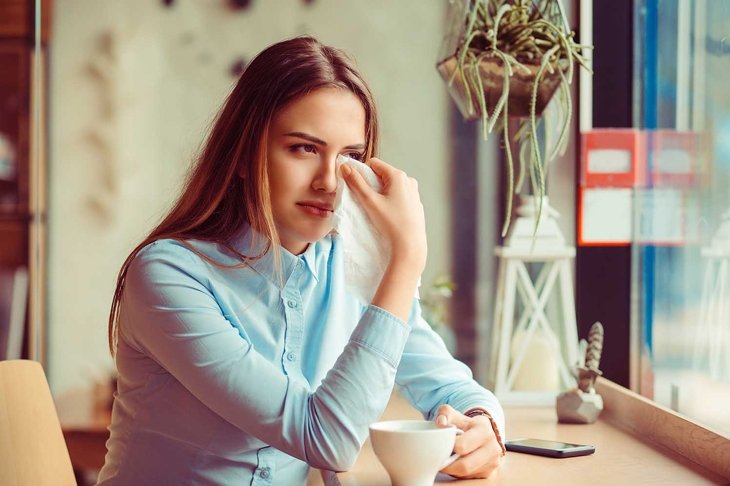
(366, 252)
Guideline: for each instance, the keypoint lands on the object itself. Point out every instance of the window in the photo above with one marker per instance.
(681, 249)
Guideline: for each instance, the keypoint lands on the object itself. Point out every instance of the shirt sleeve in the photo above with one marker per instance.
(168, 313)
(428, 376)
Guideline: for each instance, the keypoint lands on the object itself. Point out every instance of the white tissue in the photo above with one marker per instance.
(366, 253)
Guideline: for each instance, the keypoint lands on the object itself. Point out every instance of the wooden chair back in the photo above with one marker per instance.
(32, 448)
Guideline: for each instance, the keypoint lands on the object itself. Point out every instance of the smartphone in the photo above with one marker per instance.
(548, 448)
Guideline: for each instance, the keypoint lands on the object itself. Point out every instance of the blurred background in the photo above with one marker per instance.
(104, 106)
(133, 87)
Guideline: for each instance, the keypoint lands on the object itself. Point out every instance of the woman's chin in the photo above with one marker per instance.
(304, 239)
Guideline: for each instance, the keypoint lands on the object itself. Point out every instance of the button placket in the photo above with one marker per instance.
(294, 313)
(264, 473)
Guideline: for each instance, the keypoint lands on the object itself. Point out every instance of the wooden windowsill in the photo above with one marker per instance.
(664, 428)
(637, 442)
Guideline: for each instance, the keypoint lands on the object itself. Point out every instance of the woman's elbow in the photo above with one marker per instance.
(337, 458)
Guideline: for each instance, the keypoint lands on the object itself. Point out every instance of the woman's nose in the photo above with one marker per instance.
(326, 178)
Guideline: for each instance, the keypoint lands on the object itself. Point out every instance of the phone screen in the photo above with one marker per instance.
(549, 448)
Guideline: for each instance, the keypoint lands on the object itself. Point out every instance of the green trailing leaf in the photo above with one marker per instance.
(502, 103)
(482, 100)
(523, 35)
(495, 29)
(510, 172)
(521, 175)
(567, 109)
(537, 161)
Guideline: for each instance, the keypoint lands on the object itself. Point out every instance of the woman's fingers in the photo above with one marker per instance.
(480, 463)
(397, 211)
(357, 184)
(447, 415)
(478, 447)
(386, 172)
(381, 169)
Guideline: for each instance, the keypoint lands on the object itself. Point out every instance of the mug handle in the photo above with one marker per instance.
(452, 457)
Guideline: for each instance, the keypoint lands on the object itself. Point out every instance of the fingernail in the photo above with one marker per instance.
(441, 420)
(345, 170)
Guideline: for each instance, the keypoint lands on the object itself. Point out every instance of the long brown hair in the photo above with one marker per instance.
(228, 185)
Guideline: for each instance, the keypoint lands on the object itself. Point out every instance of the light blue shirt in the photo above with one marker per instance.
(237, 376)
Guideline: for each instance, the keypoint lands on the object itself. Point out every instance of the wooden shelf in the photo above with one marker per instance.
(22, 206)
(14, 243)
(17, 19)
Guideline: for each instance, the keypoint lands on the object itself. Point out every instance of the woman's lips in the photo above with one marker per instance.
(316, 210)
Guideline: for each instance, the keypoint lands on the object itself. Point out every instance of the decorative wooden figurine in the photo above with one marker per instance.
(582, 405)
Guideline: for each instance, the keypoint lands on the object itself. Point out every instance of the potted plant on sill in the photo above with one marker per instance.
(506, 59)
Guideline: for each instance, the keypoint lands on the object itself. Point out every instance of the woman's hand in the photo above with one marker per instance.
(478, 446)
(397, 212)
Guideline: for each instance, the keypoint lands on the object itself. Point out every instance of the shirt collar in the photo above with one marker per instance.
(310, 258)
(251, 243)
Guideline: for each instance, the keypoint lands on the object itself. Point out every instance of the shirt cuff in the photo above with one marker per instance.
(474, 411)
(383, 333)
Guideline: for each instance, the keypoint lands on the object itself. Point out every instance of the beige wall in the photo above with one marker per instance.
(132, 88)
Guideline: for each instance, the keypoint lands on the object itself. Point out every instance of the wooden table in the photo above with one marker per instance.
(86, 443)
(86, 446)
(620, 458)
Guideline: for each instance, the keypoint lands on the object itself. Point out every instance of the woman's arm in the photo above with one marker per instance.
(428, 376)
(443, 389)
(433, 381)
(169, 314)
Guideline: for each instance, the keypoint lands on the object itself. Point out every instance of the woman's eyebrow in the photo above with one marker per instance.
(306, 136)
(319, 141)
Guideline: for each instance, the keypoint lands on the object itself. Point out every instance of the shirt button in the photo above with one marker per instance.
(291, 356)
(292, 304)
(265, 473)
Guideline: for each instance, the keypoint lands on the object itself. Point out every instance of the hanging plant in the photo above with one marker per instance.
(507, 58)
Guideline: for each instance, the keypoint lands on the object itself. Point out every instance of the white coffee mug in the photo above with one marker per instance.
(413, 451)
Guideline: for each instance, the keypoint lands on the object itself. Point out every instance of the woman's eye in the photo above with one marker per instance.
(304, 148)
(356, 155)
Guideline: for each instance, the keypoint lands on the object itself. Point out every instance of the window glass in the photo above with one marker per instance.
(681, 253)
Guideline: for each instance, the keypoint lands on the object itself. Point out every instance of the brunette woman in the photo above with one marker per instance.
(242, 358)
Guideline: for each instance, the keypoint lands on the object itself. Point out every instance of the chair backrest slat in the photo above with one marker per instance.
(32, 448)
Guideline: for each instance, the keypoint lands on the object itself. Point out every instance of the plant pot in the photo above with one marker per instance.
(491, 70)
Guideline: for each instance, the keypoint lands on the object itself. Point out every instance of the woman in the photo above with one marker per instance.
(241, 357)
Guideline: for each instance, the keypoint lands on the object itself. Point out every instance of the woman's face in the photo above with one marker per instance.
(305, 138)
